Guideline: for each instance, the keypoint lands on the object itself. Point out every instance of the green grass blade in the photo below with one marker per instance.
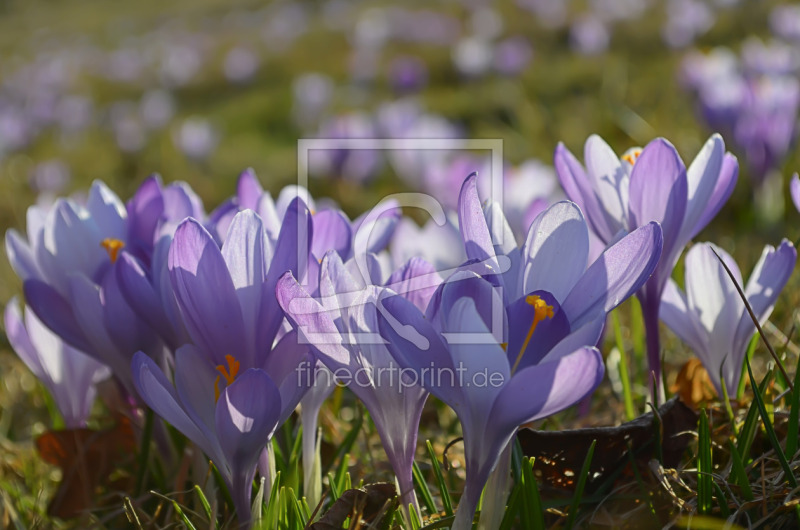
(582, 478)
(416, 524)
(513, 507)
(704, 466)
(748, 432)
(424, 491)
(347, 443)
(751, 348)
(447, 502)
(144, 454)
(203, 501)
(627, 394)
(739, 472)
(333, 488)
(794, 415)
(773, 438)
(532, 508)
(722, 501)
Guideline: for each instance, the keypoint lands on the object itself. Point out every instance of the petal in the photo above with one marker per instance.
(373, 230)
(107, 210)
(56, 313)
(702, 177)
(20, 255)
(417, 281)
(248, 190)
(794, 190)
(658, 192)
(577, 187)
(417, 346)
(21, 342)
(589, 333)
(291, 254)
(332, 231)
(194, 382)
(159, 394)
(684, 322)
(205, 292)
(502, 236)
(467, 284)
(139, 293)
(766, 282)
(245, 254)
(722, 191)
(246, 416)
(616, 275)
(474, 230)
(314, 324)
(556, 251)
(285, 365)
(544, 389)
(608, 178)
(145, 210)
(289, 194)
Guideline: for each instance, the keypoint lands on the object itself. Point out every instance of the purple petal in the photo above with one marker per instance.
(107, 210)
(608, 179)
(194, 383)
(20, 256)
(205, 292)
(467, 284)
(248, 190)
(682, 320)
(417, 281)
(139, 293)
(766, 282)
(544, 389)
(145, 210)
(702, 177)
(577, 187)
(291, 255)
(313, 323)
(722, 191)
(415, 345)
(245, 254)
(616, 275)
(55, 312)
(373, 230)
(794, 190)
(284, 365)
(159, 394)
(474, 231)
(556, 251)
(332, 231)
(658, 192)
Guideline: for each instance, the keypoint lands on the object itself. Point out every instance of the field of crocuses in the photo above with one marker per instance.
(522, 264)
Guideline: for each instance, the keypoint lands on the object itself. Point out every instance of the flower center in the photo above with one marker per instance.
(112, 246)
(632, 156)
(228, 373)
(540, 311)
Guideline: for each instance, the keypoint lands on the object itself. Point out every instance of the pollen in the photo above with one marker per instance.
(541, 311)
(632, 156)
(112, 246)
(229, 373)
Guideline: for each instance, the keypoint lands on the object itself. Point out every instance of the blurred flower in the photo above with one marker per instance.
(241, 64)
(357, 165)
(711, 317)
(512, 56)
(407, 74)
(50, 176)
(472, 56)
(312, 95)
(686, 20)
(68, 374)
(589, 36)
(196, 138)
(156, 108)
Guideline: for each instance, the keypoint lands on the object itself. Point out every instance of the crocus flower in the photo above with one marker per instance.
(68, 374)
(67, 267)
(227, 295)
(620, 194)
(794, 190)
(545, 368)
(230, 413)
(710, 316)
(341, 329)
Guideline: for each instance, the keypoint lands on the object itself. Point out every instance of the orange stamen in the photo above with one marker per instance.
(112, 246)
(541, 311)
(228, 373)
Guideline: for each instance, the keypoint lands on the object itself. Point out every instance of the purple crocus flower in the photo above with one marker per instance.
(230, 415)
(227, 296)
(341, 328)
(620, 194)
(68, 374)
(794, 190)
(711, 317)
(67, 266)
(490, 390)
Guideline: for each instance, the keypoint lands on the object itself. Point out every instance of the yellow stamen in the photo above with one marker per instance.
(540, 311)
(632, 157)
(112, 246)
(228, 373)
